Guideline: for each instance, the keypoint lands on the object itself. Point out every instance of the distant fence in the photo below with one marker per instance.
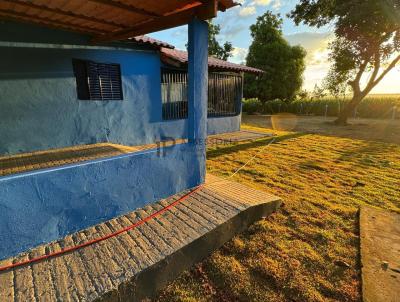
(224, 94)
(371, 107)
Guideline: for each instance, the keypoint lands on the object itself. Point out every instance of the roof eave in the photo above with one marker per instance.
(100, 27)
(207, 9)
(169, 60)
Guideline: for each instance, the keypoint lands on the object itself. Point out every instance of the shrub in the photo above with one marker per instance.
(371, 107)
(251, 106)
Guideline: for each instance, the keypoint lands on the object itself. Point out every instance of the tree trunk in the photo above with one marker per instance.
(348, 110)
(358, 94)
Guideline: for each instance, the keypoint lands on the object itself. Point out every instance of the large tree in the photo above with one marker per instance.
(366, 45)
(215, 49)
(283, 64)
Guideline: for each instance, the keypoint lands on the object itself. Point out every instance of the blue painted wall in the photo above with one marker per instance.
(39, 110)
(45, 205)
(39, 105)
(223, 124)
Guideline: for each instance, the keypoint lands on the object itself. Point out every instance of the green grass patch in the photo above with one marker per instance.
(292, 255)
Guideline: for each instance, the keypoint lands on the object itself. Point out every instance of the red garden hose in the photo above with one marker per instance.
(90, 242)
(140, 222)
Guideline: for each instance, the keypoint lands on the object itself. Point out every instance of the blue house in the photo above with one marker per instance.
(72, 79)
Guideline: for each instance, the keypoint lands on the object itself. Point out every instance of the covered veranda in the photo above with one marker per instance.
(78, 194)
(60, 225)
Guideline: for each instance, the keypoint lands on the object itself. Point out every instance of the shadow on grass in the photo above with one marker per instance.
(371, 154)
(253, 144)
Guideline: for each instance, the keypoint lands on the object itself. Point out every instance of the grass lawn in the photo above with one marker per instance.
(309, 249)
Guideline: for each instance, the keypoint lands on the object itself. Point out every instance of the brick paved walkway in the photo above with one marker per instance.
(57, 157)
(140, 262)
(238, 136)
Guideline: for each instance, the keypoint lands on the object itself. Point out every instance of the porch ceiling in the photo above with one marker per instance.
(111, 20)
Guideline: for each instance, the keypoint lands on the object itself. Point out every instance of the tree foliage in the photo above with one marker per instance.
(283, 64)
(367, 41)
(223, 51)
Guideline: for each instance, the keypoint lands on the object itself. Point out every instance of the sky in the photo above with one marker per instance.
(235, 24)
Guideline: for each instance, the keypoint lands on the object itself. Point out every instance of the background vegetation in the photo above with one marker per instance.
(215, 49)
(374, 106)
(366, 41)
(283, 64)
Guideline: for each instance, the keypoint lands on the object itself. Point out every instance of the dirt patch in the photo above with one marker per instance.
(380, 257)
(366, 129)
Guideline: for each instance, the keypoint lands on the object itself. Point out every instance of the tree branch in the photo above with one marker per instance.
(377, 66)
(355, 84)
(389, 68)
(387, 35)
(361, 70)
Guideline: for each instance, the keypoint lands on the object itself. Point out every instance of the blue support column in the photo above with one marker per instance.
(198, 90)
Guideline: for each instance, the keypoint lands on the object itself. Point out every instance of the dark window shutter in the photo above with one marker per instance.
(81, 77)
(102, 81)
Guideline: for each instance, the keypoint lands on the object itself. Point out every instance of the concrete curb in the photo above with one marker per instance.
(148, 282)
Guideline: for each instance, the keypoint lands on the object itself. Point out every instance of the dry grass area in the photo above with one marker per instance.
(309, 249)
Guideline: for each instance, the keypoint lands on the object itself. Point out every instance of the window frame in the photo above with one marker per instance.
(88, 76)
(175, 110)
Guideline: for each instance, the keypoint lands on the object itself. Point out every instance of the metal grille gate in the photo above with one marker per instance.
(224, 94)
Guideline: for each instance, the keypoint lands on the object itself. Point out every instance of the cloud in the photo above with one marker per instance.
(316, 45)
(309, 39)
(262, 2)
(232, 30)
(180, 32)
(317, 64)
(319, 57)
(239, 55)
(247, 11)
(276, 4)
